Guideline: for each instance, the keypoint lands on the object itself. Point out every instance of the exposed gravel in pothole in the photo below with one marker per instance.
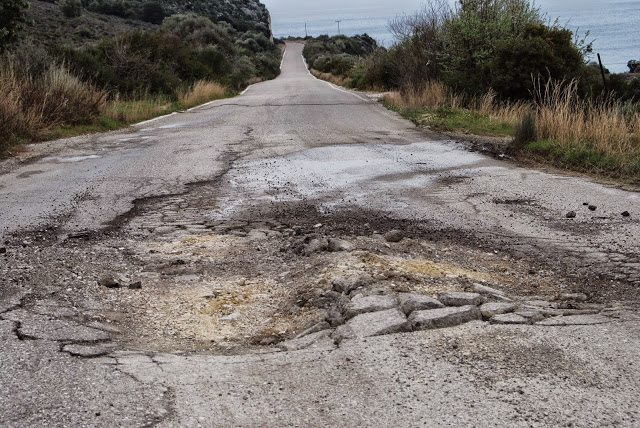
(264, 285)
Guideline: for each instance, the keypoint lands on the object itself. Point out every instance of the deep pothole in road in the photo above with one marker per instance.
(281, 277)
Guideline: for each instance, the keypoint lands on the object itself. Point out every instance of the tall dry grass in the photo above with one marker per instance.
(201, 92)
(436, 95)
(137, 109)
(605, 126)
(332, 78)
(30, 106)
(587, 134)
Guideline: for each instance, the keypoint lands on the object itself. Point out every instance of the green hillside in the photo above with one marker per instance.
(101, 64)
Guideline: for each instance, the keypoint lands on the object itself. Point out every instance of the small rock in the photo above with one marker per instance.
(163, 230)
(624, 214)
(105, 327)
(257, 235)
(483, 289)
(370, 304)
(394, 236)
(320, 339)
(209, 294)
(294, 309)
(3, 250)
(268, 341)
(592, 208)
(343, 332)
(410, 302)
(109, 282)
(567, 312)
(571, 214)
(531, 315)
(455, 298)
(373, 324)
(445, 317)
(337, 244)
(314, 329)
(575, 320)
(573, 297)
(509, 319)
(316, 245)
(334, 318)
(135, 285)
(331, 299)
(347, 284)
(231, 317)
(489, 310)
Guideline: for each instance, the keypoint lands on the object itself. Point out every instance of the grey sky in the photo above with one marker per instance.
(306, 8)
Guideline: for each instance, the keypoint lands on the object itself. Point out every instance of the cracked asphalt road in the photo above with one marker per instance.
(217, 213)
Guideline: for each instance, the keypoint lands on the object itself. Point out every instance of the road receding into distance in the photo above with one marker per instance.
(301, 256)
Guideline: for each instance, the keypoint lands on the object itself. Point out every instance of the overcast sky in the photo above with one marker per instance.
(399, 6)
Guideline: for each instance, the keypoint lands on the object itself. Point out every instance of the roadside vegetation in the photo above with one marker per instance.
(497, 68)
(62, 89)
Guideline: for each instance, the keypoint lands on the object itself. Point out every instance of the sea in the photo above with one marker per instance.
(612, 25)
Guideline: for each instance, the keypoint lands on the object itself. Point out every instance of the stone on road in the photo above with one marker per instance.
(445, 317)
(370, 304)
(410, 302)
(372, 324)
(495, 308)
(509, 319)
(456, 298)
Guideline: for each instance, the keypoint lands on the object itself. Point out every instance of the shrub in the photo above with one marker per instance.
(153, 12)
(201, 92)
(31, 105)
(70, 8)
(539, 51)
(199, 31)
(12, 20)
(525, 132)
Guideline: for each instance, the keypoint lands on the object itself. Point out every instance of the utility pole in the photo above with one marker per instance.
(339, 21)
(305, 31)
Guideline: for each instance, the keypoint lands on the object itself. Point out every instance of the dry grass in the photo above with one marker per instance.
(201, 92)
(602, 136)
(336, 80)
(254, 80)
(435, 95)
(570, 121)
(32, 106)
(136, 110)
(432, 95)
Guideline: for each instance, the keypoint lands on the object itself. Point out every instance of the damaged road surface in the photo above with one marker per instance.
(300, 256)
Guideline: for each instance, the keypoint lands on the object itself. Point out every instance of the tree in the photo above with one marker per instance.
(472, 34)
(541, 51)
(153, 12)
(12, 19)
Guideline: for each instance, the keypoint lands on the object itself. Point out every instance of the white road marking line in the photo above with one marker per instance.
(283, 55)
(154, 119)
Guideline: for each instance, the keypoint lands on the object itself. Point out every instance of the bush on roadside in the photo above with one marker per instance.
(13, 17)
(71, 8)
(539, 51)
(31, 105)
